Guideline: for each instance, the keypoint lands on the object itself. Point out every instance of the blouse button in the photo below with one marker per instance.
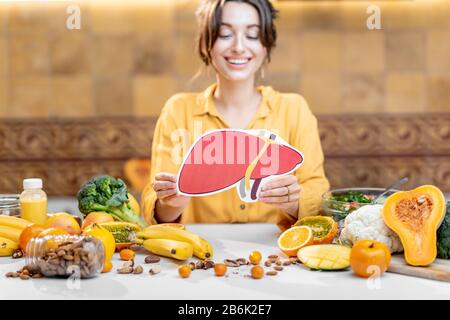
(242, 206)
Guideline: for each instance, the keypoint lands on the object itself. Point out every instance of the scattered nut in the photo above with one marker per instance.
(199, 265)
(242, 261)
(192, 265)
(271, 273)
(125, 270)
(231, 263)
(293, 260)
(138, 270)
(32, 268)
(208, 264)
(268, 263)
(273, 256)
(128, 263)
(155, 269)
(152, 259)
(278, 262)
(278, 268)
(17, 254)
(286, 263)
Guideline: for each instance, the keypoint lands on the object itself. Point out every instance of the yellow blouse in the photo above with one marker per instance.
(186, 116)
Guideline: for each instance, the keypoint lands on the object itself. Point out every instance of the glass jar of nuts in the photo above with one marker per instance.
(66, 255)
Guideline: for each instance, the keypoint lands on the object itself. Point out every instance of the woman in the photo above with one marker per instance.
(236, 39)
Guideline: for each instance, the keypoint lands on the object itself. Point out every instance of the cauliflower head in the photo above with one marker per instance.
(366, 223)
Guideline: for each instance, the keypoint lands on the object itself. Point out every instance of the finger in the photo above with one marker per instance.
(165, 193)
(294, 197)
(274, 199)
(284, 190)
(279, 182)
(164, 185)
(277, 192)
(295, 188)
(165, 176)
(283, 199)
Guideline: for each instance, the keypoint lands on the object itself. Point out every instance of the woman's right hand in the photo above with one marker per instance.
(165, 186)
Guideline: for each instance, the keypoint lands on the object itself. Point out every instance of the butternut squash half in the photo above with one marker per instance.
(415, 216)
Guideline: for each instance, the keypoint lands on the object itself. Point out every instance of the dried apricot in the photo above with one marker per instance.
(127, 254)
(107, 267)
(255, 257)
(220, 269)
(184, 270)
(257, 272)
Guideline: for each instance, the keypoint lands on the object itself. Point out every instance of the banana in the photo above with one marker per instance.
(202, 248)
(206, 248)
(14, 222)
(10, 233)
(7, 247)
(169, 248)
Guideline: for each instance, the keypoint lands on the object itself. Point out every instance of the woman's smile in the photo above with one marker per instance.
(238, 62)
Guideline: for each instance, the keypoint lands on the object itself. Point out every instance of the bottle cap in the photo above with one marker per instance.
(33, 183)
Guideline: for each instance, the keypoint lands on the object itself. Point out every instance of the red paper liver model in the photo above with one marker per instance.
(222, 158)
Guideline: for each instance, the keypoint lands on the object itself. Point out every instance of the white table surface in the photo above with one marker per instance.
(229, 241)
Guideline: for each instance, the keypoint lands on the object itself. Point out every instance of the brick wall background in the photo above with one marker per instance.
(129, 57)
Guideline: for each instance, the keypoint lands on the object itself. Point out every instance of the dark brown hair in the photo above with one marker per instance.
(209, 14)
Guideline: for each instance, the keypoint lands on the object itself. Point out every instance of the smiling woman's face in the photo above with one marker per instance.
(238, 52)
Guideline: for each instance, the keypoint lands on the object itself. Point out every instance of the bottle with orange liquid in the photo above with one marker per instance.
(33, 201)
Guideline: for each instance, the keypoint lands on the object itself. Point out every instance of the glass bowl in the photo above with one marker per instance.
(339, 209)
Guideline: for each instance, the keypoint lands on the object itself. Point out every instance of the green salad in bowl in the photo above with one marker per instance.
(338, 203)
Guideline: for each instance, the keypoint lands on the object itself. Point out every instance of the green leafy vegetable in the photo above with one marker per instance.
(443, 236)
(348, 202)
(107, 194)
(353, 196)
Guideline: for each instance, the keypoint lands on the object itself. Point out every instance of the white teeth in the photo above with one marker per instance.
(238, 61)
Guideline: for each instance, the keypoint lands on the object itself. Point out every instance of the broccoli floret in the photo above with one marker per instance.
(108, 194)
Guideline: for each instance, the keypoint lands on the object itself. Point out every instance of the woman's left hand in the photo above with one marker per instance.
(282, 192)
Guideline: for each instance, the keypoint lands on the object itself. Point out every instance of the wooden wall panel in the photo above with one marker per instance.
(360, 150)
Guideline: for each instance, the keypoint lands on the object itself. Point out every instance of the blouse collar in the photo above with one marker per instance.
(206, 105)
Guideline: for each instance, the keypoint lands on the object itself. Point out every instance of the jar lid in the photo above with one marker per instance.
(9, 201)
(32, 183)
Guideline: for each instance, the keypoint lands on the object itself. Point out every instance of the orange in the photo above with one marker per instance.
(295, 238)
(369, 258)
(29, 232)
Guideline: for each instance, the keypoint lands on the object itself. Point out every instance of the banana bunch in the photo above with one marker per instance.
(10, 230)
(174, 243)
